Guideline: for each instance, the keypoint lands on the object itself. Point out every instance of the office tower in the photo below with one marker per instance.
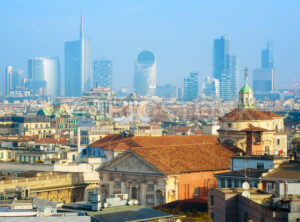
(211, 88)
(144, 82)
(221, 50)
(12, 79)
(166, 91)
(7, 82)
(77, 65)
(225, 68)
(102, 73)
(267, 57)
(191, 87)
(44, 76)
(264, 77)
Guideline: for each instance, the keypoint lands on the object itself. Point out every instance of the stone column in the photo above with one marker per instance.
(124, 188)
(143, 191)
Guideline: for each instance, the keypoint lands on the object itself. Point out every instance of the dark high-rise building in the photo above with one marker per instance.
(102, 73)
(77, 65)
(191, 87)
(264, 77)
(225, 68)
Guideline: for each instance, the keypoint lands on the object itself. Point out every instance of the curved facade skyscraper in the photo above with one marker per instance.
(44, 75)
(145, 74)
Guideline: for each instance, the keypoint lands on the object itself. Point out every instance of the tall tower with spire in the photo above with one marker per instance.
(77, 65)
(246, 100)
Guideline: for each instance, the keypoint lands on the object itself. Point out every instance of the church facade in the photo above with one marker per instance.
(235, 125)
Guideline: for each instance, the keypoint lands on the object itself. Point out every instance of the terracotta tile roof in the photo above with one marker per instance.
(187, 158)
(117, 142)
(249, 114)
(254, 128)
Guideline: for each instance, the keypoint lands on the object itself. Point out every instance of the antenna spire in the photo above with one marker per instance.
(81, 25)
(246, 74)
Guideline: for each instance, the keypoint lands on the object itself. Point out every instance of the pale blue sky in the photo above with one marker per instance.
(179, 33)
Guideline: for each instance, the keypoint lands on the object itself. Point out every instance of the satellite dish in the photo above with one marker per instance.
(246, 194)
(245, 186)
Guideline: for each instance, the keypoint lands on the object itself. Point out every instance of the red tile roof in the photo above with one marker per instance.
(249, 114)
(187, 158)
(117, 142)
(254, 128)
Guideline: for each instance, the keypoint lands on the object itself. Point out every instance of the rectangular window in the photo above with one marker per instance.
(260, 166)
(73, 158)
(222, 183)
(34, 159)
(267, 149)
(278, 142)
(9, 155)
(236, 183)
(196, 192)
(24, 158)
(150, 187)
(269, 187)
(29, 159)
(20, 158)
(229, 183)
(211, 200)
(150, 198)
(1, 155)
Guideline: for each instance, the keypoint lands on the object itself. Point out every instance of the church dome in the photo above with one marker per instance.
(246, 89)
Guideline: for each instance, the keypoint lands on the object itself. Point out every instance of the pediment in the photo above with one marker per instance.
(130, 163)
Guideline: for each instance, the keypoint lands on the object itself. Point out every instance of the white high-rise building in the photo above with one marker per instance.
(145, 74)
(44, 76)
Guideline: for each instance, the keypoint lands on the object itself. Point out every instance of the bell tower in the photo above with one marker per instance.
(246, 100)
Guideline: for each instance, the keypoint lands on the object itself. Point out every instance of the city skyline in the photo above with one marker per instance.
(171, 47)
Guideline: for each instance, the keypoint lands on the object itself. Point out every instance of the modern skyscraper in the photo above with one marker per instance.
(267, 57)
(191, 87)
(77, 65)
(44, 76)
(12, 79)
(102, 73)
(211, 88)
(145, 74)
(225, 68)
(7, 82)
(264, 78)
(221, 50)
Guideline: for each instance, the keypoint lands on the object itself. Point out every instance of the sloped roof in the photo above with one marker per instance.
(254, 128)
(118, 142)
(187, 158)
(286, 171)
(249, 114)
(252, 173)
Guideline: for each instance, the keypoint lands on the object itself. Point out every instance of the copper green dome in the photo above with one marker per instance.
(246, 89)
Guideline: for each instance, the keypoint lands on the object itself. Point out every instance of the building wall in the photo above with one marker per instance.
(203, 180)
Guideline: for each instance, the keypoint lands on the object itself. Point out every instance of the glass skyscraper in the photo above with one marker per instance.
(264, 77)
(102, 73)
(77, 65)
(191, 87)
(145, 74)
(225, 68)
(44, 76)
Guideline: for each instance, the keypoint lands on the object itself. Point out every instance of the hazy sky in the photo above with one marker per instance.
(179, 33)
